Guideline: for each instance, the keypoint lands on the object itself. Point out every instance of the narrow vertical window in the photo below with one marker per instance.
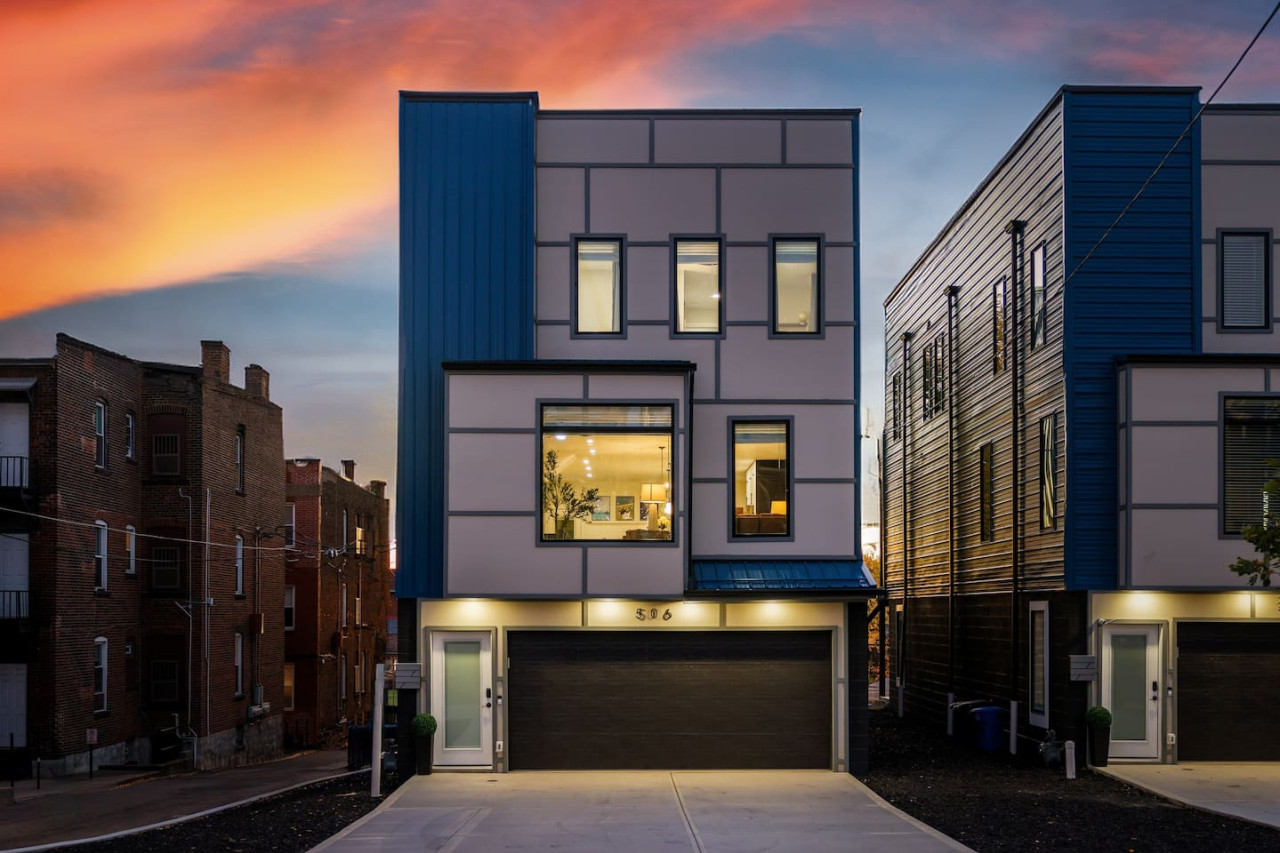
(362, 541)
(100, 555)
(131, 549)
(761, 478)
(940, 373)
(986, 492)
(288, 687)
(240, 459)
(598, 286)
(1038, 659)
(1039, 304)
(100, 434)
(342, 605)
(797, 286)
(1048, 472)
(358, 613)
(697, 287)
(290, 602)
(290, 523)
(238, 651)
(1244, 268)
(130, 435)
(345, 541)
(342, 676)
(897, 405)
(926, 383)
(239, 564)
(100, 674)
(999, 318)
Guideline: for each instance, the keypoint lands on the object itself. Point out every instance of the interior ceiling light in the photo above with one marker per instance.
(561, 436)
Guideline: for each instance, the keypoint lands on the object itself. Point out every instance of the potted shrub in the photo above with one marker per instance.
(561, 501)
(1098, 719)
(423, 727)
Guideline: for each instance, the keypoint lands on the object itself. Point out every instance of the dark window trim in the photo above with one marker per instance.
(1223, 397)
(999, 325)
(237, 662)
(820, 329)
(1038, 716)
(789, 422)
(986, 492)
(130, 437)
(621, 240)
(897, 405)
(1048, 476)
(1267, 282)
(1040, 312)
(675, 240)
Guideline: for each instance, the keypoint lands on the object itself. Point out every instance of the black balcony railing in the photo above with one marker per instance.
(13, 604)
(14, 473)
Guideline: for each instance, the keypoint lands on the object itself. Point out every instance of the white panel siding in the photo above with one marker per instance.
(492, 556)
(1193, 480)
(839, 284)
(648, 283)
(717, 141)
(504, 401)
(747, 284)
(821, 515)
(493, 472)
(641, 571)
(561, 203)
(1181, 548)
(607, 386)
(591, 140)
(642, 342)
(1240, 137)
(816, 141)
(653, 204)
(758, 202)
(1188, 393)
(1239, 197)
(755, 367)
(553, 283)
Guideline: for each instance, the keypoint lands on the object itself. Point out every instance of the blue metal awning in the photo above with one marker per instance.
(780, 576)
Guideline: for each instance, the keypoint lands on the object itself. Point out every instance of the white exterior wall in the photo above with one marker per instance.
(1240, 183)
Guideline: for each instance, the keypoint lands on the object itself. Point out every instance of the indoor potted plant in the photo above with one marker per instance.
(561, 500)
(423, 727)
(1098, 719)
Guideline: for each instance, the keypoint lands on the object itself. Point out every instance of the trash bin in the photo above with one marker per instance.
(359, 746)
(988, 725)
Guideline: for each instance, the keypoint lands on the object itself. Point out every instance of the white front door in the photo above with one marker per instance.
(15, 444)
(13, 704)
(462, 697)
(1132, 688)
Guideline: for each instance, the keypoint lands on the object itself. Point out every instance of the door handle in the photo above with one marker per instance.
(1155, 692)
(488, 704)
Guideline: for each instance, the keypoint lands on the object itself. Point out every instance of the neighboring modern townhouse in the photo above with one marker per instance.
(628, 484)
(337, 584)
(137, 616)
(1080, 410)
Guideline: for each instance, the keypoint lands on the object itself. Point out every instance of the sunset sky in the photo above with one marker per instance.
(227, 169)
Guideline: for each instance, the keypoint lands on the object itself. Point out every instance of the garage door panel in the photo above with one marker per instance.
(672, 700)
(1228, 683)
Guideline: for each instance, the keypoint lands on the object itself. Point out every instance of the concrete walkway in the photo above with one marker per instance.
(638, 811)
(74, 807)
(1244, 790)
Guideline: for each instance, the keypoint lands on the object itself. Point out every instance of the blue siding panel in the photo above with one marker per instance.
(466, 287)
(780, 576)
(1139, 293)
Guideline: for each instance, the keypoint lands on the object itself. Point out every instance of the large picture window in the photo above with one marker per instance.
(761, 478)
(1251, 438)
(598, 286)
(797, 286)
(606, 472)
(697, 286)
(1244, 268)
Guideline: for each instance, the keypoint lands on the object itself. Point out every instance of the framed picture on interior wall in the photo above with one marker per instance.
(604, 503)
(644, 511)
(624, 508)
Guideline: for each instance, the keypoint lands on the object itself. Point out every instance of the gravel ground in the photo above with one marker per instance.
(993, 802)
(288, 823)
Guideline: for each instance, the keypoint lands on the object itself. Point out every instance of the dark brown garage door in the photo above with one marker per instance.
(1228, 691)
(586, 700)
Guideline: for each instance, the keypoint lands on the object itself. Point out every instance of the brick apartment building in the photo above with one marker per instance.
(135, 609)
(337, 586)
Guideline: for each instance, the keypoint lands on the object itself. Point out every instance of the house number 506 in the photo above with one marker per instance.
(651, 614)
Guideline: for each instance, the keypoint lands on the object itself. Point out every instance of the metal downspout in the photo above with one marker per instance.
(952, 423)
(1015, 230)
(906, 507)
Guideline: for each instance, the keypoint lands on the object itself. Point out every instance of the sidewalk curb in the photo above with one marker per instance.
(54, 845)
(1174, 798)
(918, 824)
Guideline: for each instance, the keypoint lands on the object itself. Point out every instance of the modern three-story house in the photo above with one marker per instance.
(1081, 395)
(628, 504)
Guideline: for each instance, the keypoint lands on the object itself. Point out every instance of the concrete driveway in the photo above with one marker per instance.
(1239, 789)
(633, 811)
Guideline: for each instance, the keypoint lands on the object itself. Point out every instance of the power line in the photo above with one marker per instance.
(96, 526)
(1176, 143)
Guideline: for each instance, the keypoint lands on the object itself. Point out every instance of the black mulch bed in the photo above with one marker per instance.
(288, 823)
(994, 802)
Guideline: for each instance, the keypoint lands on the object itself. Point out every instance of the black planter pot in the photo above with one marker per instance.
(1099, 745)
(422, 747)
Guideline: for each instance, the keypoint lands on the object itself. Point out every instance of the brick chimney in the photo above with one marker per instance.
(257, 381)
(349, 469)
(378, 488)
(215, 361)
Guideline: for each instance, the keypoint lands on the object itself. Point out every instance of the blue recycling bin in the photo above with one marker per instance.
(988, 725)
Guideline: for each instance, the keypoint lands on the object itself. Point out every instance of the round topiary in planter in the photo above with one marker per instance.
(1098, 719)
(423, 727)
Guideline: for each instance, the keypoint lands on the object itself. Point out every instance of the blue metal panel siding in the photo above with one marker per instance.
(466, 288)
(1139, 293)
(779, 575)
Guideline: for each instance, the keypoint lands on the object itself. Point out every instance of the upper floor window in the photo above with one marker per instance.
(166, 568)
(239, 564)
(797, 286)
(999, 318)
(130, 435)
(100, 434)
(1244, 268)
(100, 555)
(1049, 472)
(1039, 303)
(164, 454)
(933, 386)
(290, 524)
(761, 478)
(131, 549)
(240, 459)
(605, 464)
(598, 289)
(290, 603)
(987, 492)
(362, 538)
(1250, 440)
(100, 674)
(897, 405)
(698, 291)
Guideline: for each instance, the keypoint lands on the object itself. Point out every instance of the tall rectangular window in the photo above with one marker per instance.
(100, 674)
(290, 603)
(345, 541)
(1039, 303)
(1250, 440)
(130, 435)
(933, 370)
(1038, 660)
(761, 478)
(598, 292)
(131, 549)
(342, 605)
(926, 383)
(987, 492)
(100, 555)
(1244, 268)
(99, 434)
(239, 564)
(797, 286)
(999, 319)
(238, 653)
(362, 538)
(290, 524)
(165, 568)
(1048, 472)
(288, 687)
(342, 676)
(897, 405)
(165, 458)
(699, 306)
(240, 459)
(606, 472)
